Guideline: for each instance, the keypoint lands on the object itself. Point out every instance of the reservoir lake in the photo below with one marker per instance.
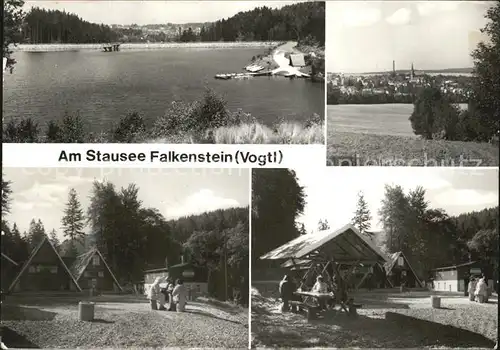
(102, 87)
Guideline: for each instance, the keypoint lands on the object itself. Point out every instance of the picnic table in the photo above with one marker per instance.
(312, 308)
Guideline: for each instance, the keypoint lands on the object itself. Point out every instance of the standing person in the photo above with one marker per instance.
(471, 288)
(481, 291)
(154, 293)
(179, 295)
(284, 290)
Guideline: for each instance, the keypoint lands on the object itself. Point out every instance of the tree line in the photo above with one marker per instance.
(134, 237)
(43, 26)
(429, 237)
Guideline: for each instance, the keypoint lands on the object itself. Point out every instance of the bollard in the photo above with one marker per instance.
(85, 311)
(435, 302)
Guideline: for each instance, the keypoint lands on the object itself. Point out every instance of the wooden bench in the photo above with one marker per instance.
(311, 310)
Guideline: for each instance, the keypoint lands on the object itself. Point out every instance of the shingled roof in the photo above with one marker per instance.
(347, 244)
(82, 261)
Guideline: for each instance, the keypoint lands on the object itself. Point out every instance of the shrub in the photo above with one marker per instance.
(175, 120)
(53, 132)
(433, 115)
(131, 128)
(70, 130)
(314, 120)
(210, 113)
(23, 131)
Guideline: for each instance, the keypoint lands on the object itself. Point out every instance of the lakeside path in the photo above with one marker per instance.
(283, 62)
(143, 46)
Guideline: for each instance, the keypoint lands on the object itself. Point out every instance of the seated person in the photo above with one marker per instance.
(320, 287)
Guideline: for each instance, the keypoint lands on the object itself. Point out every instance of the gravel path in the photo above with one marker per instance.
(391, 322)
(120, 324)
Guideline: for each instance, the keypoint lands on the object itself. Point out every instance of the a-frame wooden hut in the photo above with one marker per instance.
(91, 271)
(44, 271)
(399, 270)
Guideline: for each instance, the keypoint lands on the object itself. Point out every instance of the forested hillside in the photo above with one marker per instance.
(48, 26)
(292, 22)
(301, 22)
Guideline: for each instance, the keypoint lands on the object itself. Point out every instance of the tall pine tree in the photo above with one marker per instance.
(362, 217)
(53, 239)
(36, 233)
(73, 221)
(6, 192)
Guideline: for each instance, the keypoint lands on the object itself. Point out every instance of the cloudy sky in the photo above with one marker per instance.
(332, 193)
(153, 12)
(368, 36)
(42, 193)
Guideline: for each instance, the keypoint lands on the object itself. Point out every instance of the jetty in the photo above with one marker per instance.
(227, 76)
(111, 47)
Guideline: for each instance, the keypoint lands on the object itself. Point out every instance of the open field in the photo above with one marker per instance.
(120, 321)
(370, 149)
(143, 46)
(378, 119)
(386, 320)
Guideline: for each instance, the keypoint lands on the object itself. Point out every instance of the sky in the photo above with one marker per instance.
(42, 193)
(368, 36)
(153, 12)
(332, 193)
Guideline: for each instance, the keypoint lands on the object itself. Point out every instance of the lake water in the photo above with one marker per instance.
(102, 87)
(379, 119)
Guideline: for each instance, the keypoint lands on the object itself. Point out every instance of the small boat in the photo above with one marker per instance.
(223, 76)
(254, 68)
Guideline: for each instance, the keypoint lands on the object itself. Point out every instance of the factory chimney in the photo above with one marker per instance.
(393, 67)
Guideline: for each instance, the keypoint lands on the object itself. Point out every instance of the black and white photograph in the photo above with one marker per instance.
(408, 259)
(239, 72)
(413, 83)
(125, 258)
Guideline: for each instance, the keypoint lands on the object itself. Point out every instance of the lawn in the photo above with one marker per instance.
(385, 321)
(390, 150)
(120, 321)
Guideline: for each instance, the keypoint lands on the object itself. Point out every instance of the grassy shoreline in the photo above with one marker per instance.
(143, 46)
(369, 149)
(203, 121)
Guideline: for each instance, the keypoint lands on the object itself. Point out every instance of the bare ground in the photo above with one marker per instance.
(385, 321)
(121, 321)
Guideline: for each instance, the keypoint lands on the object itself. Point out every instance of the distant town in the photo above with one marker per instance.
(159, 32)
(396, 86)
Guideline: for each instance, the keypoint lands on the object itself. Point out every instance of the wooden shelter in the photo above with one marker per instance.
(44, 271)
(329, 253)
(91, 270)
(9, 270)
(399, 270)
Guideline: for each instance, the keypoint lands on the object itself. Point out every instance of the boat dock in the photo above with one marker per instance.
(111, 47)
(227, 76)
